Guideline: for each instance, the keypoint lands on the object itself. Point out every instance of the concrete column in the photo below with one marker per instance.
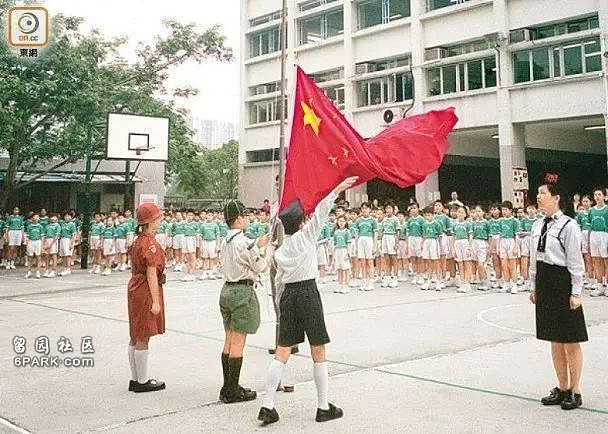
(512, 153)
(418, 7)
(350, 26)
(603, 18)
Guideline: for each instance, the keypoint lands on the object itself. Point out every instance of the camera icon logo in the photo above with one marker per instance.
(28, 26)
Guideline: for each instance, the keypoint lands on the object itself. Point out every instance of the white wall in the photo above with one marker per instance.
(524, 13)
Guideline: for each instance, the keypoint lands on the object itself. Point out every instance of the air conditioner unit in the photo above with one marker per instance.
(364, 68)
(520, 35)
(261, 89)
(435, 54)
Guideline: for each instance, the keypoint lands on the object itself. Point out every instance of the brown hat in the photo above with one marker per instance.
(148, 212)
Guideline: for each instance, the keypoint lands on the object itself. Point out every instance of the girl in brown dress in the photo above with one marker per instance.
(145, 297)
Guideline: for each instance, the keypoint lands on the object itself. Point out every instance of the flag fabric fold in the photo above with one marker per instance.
(324, 148)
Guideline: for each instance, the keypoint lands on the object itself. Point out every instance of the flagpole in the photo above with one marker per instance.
(283, 36)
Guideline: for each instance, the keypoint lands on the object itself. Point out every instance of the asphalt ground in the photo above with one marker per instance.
(401, 360)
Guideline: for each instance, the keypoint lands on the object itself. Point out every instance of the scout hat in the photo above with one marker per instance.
(147, 213)
(232, 210)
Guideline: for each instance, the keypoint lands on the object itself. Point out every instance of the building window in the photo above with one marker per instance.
(557, 61)
(264, 42)
(461, 77)
(431, 5)
(375, 12)
(260, 89)
(267, 110)
(385, 90)
(311, 4)
(551, 30)
(381, 65)
(262, 155)
(336, 94)
(334, 74)
(263, 19)
(321, 27)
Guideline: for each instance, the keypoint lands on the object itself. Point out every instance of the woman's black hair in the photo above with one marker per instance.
(555, 188)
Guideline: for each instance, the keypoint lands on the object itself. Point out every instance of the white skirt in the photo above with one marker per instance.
(342, 260)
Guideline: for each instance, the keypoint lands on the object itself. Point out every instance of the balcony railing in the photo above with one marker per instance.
(432, 5)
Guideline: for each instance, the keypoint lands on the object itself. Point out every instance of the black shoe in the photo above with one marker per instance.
(223, 393)
(288, 388)
(268, 416)
(325, 415)
(241, 395)
(555, 397)
(149, 386)
(132, 384)
(572, 401)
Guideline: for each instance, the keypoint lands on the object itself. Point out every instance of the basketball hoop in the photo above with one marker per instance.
(137, 137)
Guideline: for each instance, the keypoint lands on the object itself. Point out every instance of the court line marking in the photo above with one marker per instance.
(357, 368)
(10, 425)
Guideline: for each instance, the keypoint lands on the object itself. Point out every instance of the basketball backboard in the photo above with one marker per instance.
(137, 137)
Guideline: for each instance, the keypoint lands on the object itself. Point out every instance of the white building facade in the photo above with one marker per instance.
(527, 79)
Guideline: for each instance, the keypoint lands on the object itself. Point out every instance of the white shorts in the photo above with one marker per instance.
(352, 248)
(506, 247)
(585, 242)
(444, 245)
(161, 239)
(402, 250)
(51, 249)
(15, 238)
(481, 251)
(209, 249)
(462, 251)
(94, 242)
(342, 261)
(169, 242)
(389, 245)
(108, 247)
(414, 247)
(64, 247)
(121, 245)
(598, 244)
(330, 247)
(431, 249)
(365, 248)
(494, 244)
(189, 244)
(524, 246)
(34, 247)
(178, 241)
(322, 254)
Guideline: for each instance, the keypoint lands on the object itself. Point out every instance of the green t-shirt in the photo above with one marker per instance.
(599, 219)
(462, 230)
(324, 234)
(15, 222)
(481, 229)
(130, 225)
(389, 225)
(178, 227)
(210, 231)
(352, 229)
(53, 230)
(2, 225)
(431, 230)
(108, 232)
(526, 224)
(169, 228)
(509, 227)
(35, 231)
(402, 228)
(414, 226)
(162, 228)
(444, 221)
(263, 228)
(191, 229)
(494, 226)
(366, 226)
(251, 231)
(44, 221)
(582, 218)
(341, 238)
(96, 228)
(223, 228)
(68, 229)
(121, 230)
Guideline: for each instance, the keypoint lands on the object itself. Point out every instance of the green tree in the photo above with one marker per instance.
(213, 174)
(49, 103)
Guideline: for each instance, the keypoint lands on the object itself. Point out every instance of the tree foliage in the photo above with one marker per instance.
(49, 103)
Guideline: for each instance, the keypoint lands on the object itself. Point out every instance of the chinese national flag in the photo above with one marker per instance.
(324, 148)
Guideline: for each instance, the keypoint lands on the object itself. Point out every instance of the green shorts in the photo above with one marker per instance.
(240, 308)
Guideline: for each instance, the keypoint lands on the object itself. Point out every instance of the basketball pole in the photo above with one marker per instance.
(128, 200)
(86, 223)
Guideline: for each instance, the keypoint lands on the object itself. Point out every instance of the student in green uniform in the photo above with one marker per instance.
(108, 237)
(66, 243)
(352, 248)
(402, 254)
(264, 225)
(122, 227)
(390, 244)
(341, 236)
(582, 218)
(431, 250)
(160, 234)
(322, 252)
(481, 235)
(15, 225)
(210, 234)
(367, 231)
(251, 231)
(169, 239)
(53, 232)
(177, 228)
(191, 229)
(508, 248)
(95, 229)
(493, 245)
(598, 242)
(444, 244)
(414, 243)
(33, 240)
(462, 248)
(526, 221)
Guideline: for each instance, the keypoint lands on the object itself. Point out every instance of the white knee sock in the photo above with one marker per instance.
(322, 382)
(141, 362)
(132, 362)
(275, 373)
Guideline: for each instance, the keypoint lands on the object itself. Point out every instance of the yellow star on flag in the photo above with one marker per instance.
(310, 118)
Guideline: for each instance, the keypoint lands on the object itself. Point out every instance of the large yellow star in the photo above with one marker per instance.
(310, 118)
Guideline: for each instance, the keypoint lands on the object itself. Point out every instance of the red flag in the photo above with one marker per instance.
(324, 148)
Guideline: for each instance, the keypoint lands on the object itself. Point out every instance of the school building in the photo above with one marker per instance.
(527, 78)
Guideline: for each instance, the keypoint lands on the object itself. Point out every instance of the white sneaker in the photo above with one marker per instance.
(460, 288)
(8, 266)
(466, 288)
(203, 276)
(514, 289)
(51, 274)
(37, 274)
(520, 281)
(28, 274)
(598, 292)
(64, 273)
(353, 284)
(504, 288)
(483, 286)
(46, 274)
(492, 279)
(420, 280)
(123, 267)
(425, 286)
(369, 286)
(495, 285)
(106, 272)
(439, 286)
(402, 278)
(188, 278)
(13, 266)
(345, 290)
(98, 270)
(324, 280)
(363, 285)
(393, 283)
(385, 283)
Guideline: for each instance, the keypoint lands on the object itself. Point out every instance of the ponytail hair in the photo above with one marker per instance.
(553, 183)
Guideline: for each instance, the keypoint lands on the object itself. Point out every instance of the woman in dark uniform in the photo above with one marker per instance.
(145, 296)
(556, 271)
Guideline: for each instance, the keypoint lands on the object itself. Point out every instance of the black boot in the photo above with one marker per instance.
(226, 371)
(132, 384)
(572, 401)
(233, 392)
(149, 386)
(325, 415)
(555, 397)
